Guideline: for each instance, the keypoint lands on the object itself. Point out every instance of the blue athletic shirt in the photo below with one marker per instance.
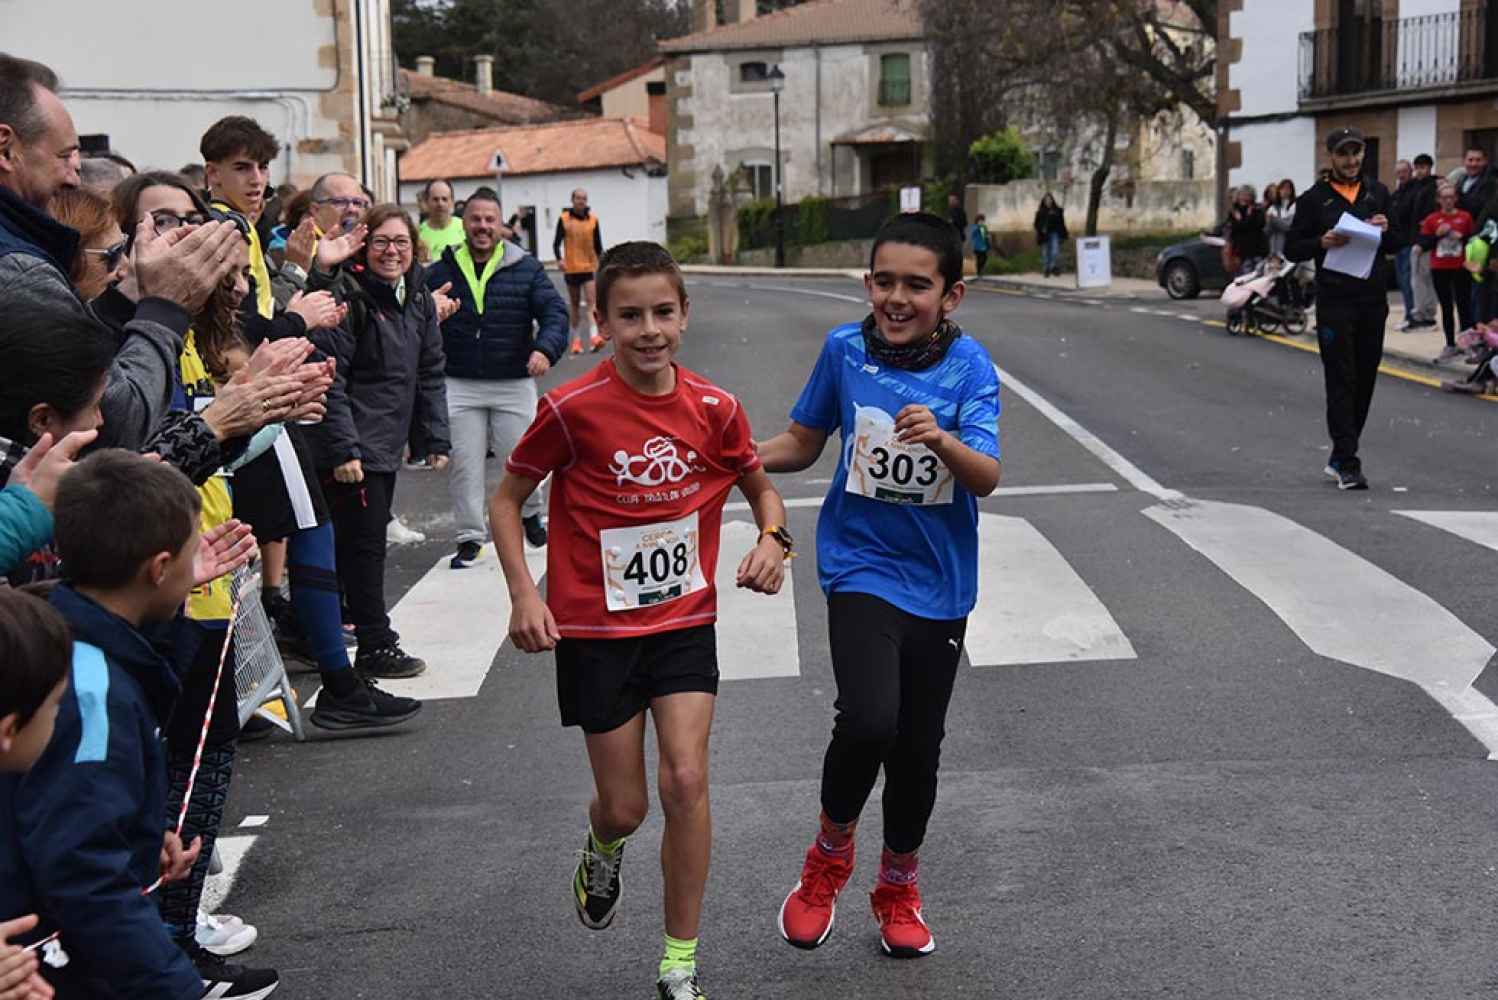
(923, 560)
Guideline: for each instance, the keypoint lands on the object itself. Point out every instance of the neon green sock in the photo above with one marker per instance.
(680, 955)
(611, 848)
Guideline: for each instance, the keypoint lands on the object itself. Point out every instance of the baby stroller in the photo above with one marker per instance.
(1267, 298)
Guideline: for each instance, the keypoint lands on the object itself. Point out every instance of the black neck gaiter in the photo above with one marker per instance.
(914, 357)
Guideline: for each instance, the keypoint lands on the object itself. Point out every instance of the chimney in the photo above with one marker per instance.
(484, 75)
(426, 66)
(747, 9)
(704, 15)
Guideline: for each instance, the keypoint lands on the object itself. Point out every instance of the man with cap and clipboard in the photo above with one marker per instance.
(1351, 310)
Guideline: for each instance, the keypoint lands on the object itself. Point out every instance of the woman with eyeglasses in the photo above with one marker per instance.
(391, 364)
(101, 246)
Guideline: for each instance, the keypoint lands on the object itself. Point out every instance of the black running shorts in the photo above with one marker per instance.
(579, 278)
(603, 683)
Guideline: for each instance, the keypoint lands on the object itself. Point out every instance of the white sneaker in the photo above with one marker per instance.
(396, 533)
(224, 934)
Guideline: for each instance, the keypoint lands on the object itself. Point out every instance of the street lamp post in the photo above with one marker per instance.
(777, 84)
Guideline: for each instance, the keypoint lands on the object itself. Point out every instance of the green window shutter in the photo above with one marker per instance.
(894, 79)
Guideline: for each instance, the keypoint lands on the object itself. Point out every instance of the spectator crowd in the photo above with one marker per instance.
(198, 370)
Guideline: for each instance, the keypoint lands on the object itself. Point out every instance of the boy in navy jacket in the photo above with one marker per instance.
(81, 834)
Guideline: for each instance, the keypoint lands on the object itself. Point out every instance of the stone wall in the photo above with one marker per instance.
(1135, 207)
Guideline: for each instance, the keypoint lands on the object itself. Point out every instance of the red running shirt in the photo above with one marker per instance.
(637, 494)
(1449, 253)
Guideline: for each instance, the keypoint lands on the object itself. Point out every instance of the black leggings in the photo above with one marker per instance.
(1453, 283)
(895, 674)
(360, 513)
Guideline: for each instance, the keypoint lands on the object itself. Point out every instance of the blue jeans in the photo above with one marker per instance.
(1050, 252)
(1403, 275)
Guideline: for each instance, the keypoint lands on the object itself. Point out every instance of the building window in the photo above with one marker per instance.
(761, 179)
(1050, 164)
(1370, 158)
(754, 72)
(1188, 165)
(894, 79)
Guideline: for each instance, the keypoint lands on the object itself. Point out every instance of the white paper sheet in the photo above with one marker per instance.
(1356, 256)
(296, 484)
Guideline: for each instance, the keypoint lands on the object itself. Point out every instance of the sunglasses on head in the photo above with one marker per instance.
(112, 255)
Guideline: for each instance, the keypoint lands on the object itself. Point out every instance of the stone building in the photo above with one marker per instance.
(323, 81)
(852, 111)
(439, 104)
(1417, 76)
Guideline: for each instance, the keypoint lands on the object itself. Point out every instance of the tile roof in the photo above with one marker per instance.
(817, 22)
(497, 105)
(577, 144)
(623, 78)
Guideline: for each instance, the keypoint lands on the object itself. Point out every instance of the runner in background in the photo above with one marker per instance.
(577, 245)
(440, 229)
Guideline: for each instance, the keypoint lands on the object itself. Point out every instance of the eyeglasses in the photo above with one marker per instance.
(171, 220)
(345, 203)
(112, 255)
(382, 243)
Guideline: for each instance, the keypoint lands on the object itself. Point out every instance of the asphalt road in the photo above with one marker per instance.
(1242, 776)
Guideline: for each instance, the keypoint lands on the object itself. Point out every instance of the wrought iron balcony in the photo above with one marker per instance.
(1371, 55)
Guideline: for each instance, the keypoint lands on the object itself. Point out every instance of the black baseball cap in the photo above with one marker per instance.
(1339, 137)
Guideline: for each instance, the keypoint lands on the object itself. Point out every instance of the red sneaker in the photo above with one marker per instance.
(577, 346)
(806, 915)
(597, 343)
(902, 930)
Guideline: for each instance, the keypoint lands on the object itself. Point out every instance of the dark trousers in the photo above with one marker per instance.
(895, 674)
(1351, 336)
(360, 512)
(980, 257)
(1453, 289)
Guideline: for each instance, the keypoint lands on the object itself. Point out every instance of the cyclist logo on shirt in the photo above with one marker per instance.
(659, 464)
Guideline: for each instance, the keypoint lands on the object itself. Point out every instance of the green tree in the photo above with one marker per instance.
(1000, 157)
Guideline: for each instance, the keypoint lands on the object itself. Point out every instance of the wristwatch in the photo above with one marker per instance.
(782, 536)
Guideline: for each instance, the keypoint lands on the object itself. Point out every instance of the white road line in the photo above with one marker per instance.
(1093, 302)
(807, 291)
(756, 633)
(253, 821)
(231, 851)
(456, 620)
(1480, 526)
(738, 506)
(1340, 605)
(1141, 310)
(1126, 469)
(1032, 606)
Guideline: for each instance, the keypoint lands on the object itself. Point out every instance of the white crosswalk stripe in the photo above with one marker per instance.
(1480, 526)
(1033, 607)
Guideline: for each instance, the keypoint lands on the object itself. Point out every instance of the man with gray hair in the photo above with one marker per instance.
(175, 272)
(100, 174)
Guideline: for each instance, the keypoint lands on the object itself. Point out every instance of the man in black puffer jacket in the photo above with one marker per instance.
(510, 328)
(1350, 311)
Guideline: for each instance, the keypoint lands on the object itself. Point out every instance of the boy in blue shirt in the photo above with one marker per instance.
(917, 404)
(81, 833)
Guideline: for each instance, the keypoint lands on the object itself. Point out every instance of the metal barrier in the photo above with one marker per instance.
(259, 672)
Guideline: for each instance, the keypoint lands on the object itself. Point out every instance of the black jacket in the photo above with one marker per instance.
(390, 373)
(494, 338)
(1317, 212)
(80, 834)
(1412, 203)
(1049, 220)
(1246, 234)
(1477, 200)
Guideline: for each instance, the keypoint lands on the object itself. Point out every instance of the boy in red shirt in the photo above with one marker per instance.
(642, 454)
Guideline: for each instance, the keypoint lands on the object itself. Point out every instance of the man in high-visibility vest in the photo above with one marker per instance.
(578, 245)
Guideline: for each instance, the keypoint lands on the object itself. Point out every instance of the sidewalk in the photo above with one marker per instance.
(1417, 348)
